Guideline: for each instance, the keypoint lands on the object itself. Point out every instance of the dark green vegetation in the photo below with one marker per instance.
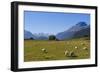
(52, 37)
(56, 49)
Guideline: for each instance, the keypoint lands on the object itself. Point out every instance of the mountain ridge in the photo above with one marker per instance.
(78, 30)
(70, 33)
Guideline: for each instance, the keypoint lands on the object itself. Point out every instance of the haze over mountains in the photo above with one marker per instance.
(78, 30)
(40, 36)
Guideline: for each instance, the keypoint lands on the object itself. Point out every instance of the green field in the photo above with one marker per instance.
(55, 49)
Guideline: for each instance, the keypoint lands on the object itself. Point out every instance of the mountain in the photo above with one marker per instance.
(80, 29)
(28, 35)
(40, 36)
(83, 32)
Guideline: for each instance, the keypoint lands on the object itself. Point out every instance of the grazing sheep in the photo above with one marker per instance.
(82, 44)
(44, 50)
(72, 54)
(84, 48)
(66, 53)
(76, 47)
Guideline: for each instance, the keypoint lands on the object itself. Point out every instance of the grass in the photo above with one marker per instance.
(55, 49)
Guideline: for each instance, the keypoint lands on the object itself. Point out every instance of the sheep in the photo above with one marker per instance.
(72, 54)
(44, 50)
(76, 47)
(66, 53)
(84, 48)
(82, 44)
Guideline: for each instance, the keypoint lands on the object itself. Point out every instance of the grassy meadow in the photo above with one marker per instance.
(55, 49)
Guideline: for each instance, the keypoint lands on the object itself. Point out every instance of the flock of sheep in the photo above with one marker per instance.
(66, 52)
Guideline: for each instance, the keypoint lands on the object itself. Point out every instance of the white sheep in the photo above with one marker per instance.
(84, 48)
(44, 50)
(76, 47)
(72, 54)
(66, 53)
(82, 44)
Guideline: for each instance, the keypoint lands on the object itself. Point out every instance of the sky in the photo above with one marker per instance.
(52, 22)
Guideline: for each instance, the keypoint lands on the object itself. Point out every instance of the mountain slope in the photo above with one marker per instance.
(28, 35)
(83, 32)
(77, 29)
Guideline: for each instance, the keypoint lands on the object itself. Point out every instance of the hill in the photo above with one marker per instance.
(79, 30)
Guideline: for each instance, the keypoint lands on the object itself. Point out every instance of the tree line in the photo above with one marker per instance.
(51, 37)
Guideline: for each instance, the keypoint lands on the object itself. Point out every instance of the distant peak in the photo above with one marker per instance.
(82, 24)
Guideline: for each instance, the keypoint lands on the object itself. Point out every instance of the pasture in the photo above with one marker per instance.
(55, 49)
